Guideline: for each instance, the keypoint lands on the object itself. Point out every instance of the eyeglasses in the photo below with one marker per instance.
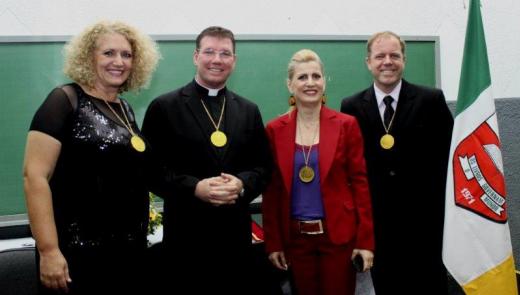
(210, 53)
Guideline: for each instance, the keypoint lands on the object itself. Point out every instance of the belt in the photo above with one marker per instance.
(310, 227)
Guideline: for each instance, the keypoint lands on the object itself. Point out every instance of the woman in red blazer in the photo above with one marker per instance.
(317, 214)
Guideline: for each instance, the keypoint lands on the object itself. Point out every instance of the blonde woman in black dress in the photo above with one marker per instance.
(86, 195)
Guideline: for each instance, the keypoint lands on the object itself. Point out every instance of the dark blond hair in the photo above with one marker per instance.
(385, 34)
(79, 55)
(303, 56)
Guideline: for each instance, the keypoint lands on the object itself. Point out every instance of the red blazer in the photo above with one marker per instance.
(344, 185)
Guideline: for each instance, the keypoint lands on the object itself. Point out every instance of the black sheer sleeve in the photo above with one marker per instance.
(52, 116)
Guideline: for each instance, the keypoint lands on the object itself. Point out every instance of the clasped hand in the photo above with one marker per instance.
(219, 190)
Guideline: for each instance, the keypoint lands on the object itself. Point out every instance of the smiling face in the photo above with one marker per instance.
(215, 61)
(112, 61)
(307, 83)
(386, 62)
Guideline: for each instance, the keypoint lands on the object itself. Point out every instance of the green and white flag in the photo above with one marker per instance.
(477, 244)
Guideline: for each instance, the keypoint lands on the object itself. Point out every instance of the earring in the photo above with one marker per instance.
(292, 100)
(323, 99)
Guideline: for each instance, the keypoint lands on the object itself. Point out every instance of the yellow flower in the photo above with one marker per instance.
(155, 217)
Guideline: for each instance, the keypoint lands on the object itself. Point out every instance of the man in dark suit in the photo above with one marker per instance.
(213, 150)
(407, 133)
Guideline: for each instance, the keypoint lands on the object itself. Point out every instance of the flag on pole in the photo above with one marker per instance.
(477, 244)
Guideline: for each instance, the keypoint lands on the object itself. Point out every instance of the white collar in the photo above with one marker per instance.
(211, 91)
(380, 94)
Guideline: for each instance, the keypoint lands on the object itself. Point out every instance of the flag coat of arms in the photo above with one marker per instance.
(477, 244)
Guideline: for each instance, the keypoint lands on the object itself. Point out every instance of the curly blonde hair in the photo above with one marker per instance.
(79, 55)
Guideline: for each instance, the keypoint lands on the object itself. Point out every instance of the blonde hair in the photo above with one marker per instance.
(79, 55)
(303, 56)
(385, 34)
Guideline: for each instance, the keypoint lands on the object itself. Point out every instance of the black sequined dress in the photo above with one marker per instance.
(99, 193)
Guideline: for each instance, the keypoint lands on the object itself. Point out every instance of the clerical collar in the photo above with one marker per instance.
(208, 92)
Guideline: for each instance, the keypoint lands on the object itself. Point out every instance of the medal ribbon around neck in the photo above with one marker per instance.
(136, 141)
(218, 138)
(387, 141)
(306, 173)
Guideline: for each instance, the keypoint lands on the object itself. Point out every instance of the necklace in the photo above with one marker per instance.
(387, 141)
(136, 141)
(306, 173)
(218, 138)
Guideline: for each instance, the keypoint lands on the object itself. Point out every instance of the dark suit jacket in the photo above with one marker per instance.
(407, 182)
(344, 184)
(178, 129)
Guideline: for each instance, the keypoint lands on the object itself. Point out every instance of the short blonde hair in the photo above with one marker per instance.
(385, 34)
(79, 55)
(303, 56)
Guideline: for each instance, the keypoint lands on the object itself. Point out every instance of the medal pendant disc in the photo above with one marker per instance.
(306, 174)
(387, 141)
(138, 143)
(218, 138)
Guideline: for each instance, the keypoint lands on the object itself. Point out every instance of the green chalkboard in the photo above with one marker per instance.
(29, 70)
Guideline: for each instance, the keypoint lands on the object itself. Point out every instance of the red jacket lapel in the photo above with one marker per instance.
(329, 134)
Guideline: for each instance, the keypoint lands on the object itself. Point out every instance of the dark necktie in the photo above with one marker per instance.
(389, 110)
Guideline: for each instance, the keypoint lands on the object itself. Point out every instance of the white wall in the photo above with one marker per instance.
(443, 18)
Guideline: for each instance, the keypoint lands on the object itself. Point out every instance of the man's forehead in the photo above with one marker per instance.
(207, 39)
(386, 38)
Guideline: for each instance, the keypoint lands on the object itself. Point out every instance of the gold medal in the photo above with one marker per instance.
(218, 138)
(135, 141)
(138, 143)
(387, 141)
(306, 174)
